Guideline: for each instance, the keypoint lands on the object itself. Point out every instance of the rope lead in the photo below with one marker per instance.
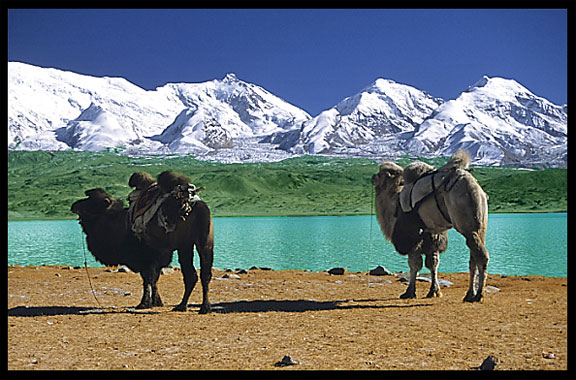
(88, 274)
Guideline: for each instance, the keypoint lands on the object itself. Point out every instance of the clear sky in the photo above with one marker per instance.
(311, 58)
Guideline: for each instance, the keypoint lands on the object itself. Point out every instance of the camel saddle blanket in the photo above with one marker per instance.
(416, 192)
(144, 205)
(143, 200)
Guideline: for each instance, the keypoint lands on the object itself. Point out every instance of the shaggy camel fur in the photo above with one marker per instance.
(459, 203)
(112, 242)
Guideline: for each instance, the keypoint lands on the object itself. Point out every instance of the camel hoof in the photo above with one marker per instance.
(407, 295)
(433, 294)
(471, 299)
(205, 309)
(142, 306)
(179, 308)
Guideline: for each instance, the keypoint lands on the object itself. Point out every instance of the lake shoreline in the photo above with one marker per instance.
(422, 273)
(34, 218)
(353, 321)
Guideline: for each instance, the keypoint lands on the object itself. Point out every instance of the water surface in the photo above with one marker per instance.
(519, 244)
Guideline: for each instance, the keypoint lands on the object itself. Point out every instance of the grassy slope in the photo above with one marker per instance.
(43, 185)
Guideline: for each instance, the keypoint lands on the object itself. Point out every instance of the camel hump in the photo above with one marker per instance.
(168, 180)
(460, 160)
(141, 181)
(415, 171)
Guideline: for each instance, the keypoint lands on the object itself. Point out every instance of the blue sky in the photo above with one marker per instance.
(311, 58)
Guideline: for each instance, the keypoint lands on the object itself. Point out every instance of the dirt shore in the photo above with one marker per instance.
(322, 321)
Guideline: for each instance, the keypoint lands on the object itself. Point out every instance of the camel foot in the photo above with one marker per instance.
(205, 309)
(143, 306)
(180, 307)
(433, 294)
(158, 303)
(407, 295)
(473, 298)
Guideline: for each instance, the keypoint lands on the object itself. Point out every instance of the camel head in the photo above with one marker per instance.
(388, 178)
(97, 203)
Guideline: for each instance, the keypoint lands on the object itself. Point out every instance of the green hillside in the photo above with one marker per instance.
(43, 185)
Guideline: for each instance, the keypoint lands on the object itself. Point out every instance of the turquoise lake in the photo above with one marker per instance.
(519, 244)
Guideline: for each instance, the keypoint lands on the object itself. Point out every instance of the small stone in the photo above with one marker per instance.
(548, 355)
(337, 271)
(285, 362)
(380, 271)
(491, 289)
(488, 364)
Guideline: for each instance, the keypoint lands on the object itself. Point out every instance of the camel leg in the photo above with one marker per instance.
(156, 300)
(415, 263)
(206, 258)
(147, 280)
(479, 258)
(185, 257)
(432, 261)
(471, 293)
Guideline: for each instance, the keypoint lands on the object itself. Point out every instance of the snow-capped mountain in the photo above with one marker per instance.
(51, 109)
(499, 121)
(219, 111)
(383, 109)
(41, 102)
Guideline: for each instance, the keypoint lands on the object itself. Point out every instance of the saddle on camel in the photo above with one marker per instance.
(420, 182)
(147, 198)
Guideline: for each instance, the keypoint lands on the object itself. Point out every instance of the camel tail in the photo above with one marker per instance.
(460, 160)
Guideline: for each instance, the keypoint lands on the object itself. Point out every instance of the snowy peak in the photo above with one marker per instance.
(498, 121)
(95, 129)
(383, 109)
(54, 109)
(221, 110)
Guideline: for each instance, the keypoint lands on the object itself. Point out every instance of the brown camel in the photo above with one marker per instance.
(112, 242)
(457, 201)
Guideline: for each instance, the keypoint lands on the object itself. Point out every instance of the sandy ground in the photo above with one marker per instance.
(322, 321)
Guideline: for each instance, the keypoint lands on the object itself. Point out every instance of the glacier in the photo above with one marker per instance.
(497, 120)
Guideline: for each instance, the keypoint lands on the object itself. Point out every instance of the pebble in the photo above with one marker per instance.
(380, 271)
(489, 363)
(337, 271)
(231, 275)
(548, 355)
(285, 362)
(491, 289)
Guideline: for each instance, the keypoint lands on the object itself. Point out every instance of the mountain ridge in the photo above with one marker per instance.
(498, 120)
